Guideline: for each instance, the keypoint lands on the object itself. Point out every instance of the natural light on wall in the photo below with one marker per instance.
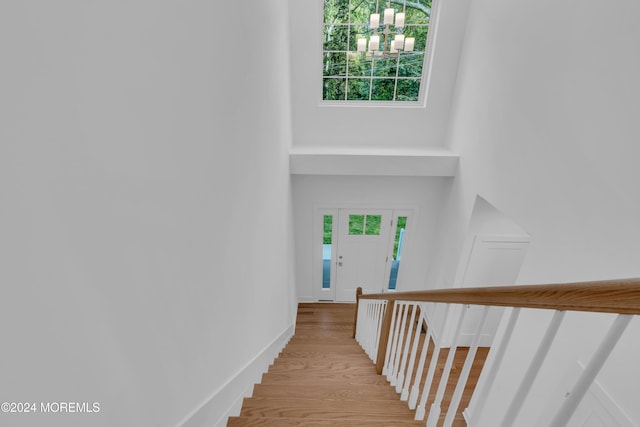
(374, 50)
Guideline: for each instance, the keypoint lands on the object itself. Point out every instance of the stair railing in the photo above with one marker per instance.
(398, 333)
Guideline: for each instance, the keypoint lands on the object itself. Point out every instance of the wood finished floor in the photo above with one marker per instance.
(323, 378)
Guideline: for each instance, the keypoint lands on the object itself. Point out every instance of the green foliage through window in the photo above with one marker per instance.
(327, 229)
(373, 224)
(402, 224)
(349, 75)
(356, 224)
(361, 224)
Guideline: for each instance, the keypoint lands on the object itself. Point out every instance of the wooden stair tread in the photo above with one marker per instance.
(321, 376)
(345, 365)
(326, 409)
(323, 348)
(315, 422)
(317, 355)
(324, 391)
(323, 341)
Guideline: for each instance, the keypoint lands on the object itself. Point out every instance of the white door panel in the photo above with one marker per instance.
(361, 257)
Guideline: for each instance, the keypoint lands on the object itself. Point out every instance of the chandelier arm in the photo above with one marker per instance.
(413, 5)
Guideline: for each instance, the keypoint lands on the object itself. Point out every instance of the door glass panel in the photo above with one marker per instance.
(397, 251)
(356, 224)
(373, 225)
(327, 240)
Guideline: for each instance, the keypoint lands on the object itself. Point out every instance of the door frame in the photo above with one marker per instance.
(409, 213)
(332, 208)
(465, 257)
(320, 293)
(461, 273)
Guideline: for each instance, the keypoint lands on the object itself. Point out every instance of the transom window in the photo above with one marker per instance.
(374, 50)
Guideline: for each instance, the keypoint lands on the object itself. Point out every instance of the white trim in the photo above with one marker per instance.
(226, 401)
(429, 53)
(597, 396)
(608, 403)
(395, 214)
(337, 162)
(467, 416)
(318, 292)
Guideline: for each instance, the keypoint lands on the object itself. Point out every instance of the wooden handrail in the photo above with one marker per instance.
(605, 296)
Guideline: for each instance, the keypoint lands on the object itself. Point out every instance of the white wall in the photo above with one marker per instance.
(422, 194)
(145, 206)
(545, 121)
(317, 125)
(486, 219)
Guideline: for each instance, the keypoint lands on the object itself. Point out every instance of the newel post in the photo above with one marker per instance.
(355, 319)
(384, 336)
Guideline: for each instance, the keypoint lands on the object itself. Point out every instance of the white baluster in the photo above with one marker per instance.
(601, 354)
(466, 369)
(534, 368)
(375, 315)
(381, 310)
(412, 360)
(361, 321)
(372, 328)
(393, 368)
(387, 357)
(494, 360)
(371, 331)
(405, 349)
(364, 314)
(415, 389)
(434, 411)
(420, 410)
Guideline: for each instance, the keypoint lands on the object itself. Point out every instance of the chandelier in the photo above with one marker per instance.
(390, 45)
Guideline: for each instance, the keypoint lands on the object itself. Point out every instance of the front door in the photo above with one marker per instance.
(362, 252)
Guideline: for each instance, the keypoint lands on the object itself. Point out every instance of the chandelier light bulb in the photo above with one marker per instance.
(374, 21)
(374, 43)
(400, 20)
(409, 43)
(362, 44)
(388, 16)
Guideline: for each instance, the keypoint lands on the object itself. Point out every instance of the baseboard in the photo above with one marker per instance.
(226, 401)
(306, 299)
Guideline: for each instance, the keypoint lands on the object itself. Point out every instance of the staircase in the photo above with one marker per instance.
(323, 378)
